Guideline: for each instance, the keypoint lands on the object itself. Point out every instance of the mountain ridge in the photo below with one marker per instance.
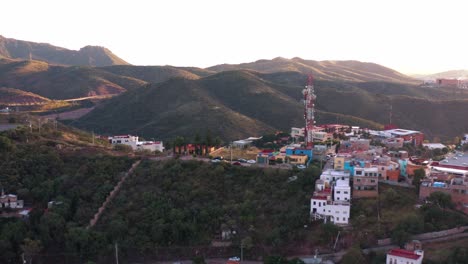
(86, 56)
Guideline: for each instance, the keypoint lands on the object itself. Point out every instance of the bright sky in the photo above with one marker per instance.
(411, 36)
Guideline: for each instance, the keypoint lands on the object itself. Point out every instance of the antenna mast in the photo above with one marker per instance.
(309, 110)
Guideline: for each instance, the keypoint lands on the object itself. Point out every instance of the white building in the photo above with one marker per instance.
(402, 256)
(342, 190)
(297, 132)
(150, 145)
(322, 208)
(129, 140)
(331, 199)
(329, 176)
(133, 142)
(10, 201)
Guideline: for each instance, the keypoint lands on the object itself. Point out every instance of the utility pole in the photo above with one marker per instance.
(93, 137)
(116, 254)
(230, 148)
(242, 251)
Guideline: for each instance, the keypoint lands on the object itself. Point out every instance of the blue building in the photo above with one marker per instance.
(349, 165)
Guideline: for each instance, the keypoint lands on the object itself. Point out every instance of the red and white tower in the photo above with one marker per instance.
(309, 109)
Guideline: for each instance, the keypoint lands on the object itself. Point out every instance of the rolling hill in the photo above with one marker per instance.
(59, 82)
(86, 56)
(238, 104)
(11, 97)
(353, 71)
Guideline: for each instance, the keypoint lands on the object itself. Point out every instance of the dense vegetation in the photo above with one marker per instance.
(394, 215)
(54, 165)
(178, 203)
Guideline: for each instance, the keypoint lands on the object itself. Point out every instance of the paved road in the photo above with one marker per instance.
(5, 127)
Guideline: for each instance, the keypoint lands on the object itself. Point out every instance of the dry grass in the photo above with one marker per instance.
(248, 153)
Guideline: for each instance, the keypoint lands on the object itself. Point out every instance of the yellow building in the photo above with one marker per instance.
(338, 163)
(298, 159)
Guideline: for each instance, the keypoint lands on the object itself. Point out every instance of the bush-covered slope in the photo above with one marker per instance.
(57, 82)
(354, 71)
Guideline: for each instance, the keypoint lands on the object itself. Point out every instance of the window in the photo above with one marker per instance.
(337, 191)
(345, 192)
(358, 180)
(314, 202)
(338, 198)
(372, 181)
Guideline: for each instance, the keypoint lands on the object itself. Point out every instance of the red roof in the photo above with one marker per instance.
(403, 253)
(319, 197)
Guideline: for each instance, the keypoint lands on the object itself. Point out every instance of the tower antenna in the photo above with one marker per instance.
(309, 110)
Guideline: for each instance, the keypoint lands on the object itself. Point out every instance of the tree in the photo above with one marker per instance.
(123, 148)
(30, 248)
(353, 256)
(400, 237)
(198, 260)
(443, 200)
(197, 141)
(419, 174)
(208, 141)
(330, 231)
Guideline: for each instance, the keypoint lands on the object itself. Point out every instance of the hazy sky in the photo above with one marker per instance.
(410, 36)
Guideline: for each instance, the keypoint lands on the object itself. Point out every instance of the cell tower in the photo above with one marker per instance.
(309, 109)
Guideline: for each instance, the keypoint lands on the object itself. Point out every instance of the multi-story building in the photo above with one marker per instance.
(332, 196)
(365, 182)
(403, 256)
(354, 144)
(342, 190)
(330, 176)
(297, 132)
(133, 142)
(129, 140)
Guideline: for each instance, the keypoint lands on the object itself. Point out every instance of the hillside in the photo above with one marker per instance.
(156, 74)
(233, 105)
(176, 107)
(454, 74)
(10, 96)
(58, 82)
(353, 71)
(60, 164)
(86, 56)
(237, 104)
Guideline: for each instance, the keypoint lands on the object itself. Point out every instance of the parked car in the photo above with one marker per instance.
(251, 161)
(215, 160)
(219, 158)
(301, 167)
(242, 160)
(236, 163)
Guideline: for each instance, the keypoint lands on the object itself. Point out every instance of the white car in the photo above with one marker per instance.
(215, 160)
(301, 167)
(251, 161)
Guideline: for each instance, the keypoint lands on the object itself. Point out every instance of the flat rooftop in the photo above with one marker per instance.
(458, 159)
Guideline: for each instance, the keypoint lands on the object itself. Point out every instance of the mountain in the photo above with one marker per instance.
(157, 74)
(454, 74)
(59, 82)
(86, 56)
(10, 96)
(354, 71)
(238, 104)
